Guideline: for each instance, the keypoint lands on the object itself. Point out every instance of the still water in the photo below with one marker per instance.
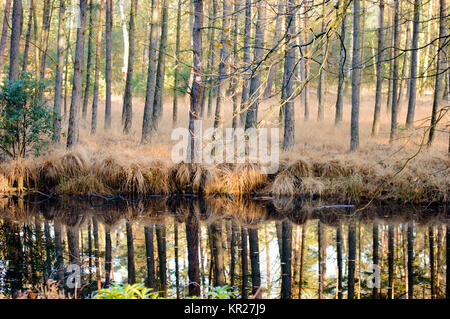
(259, 248)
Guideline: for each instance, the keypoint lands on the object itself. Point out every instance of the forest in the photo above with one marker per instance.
(234, 104)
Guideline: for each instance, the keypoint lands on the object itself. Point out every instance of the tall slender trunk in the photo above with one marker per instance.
(14, 52)
(413, 66)
(108, 257)
(192, 230)
(197, 84)
(322, 249)
(321, 78)
(302, 262)
(244, 263)
(432, 262)
(150, 257)
(342, 58)
(108, 62)
(160, 70)
(59, 74)
(46, 23)
(176, 67)
(356, 74)
(97, 70)
(4, 30)
(177, 268)
(130, 255)
(87, 84)
(339, 242)
(351, 259)
(98, 275)
(286, 261)
(380, 70)
(59, 249)
(375, 242)
(391, 262)
(306, 66)
(289, 78)
(162, 258)
(394, 109)
(246, 61)
(440, 67)
(27, 37)
(74, 117)
(224, 63)
(126, 43)
(255, 82)
(254, 260)
(151, 76)
(211, 63)
(128, 96)
(410, 234)
(217, 250)
(273, 64)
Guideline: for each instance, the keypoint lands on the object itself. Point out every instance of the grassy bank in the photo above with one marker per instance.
(346, 179)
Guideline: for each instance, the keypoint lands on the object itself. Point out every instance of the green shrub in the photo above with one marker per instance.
(136, 291)
(25, 119)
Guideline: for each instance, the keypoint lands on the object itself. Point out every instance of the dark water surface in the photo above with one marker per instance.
(266, 247)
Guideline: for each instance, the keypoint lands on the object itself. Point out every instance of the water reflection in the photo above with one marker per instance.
(264, 248)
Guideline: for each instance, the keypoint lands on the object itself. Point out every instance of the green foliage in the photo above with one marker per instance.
(136, 291)
(25, 119)
(224, 292)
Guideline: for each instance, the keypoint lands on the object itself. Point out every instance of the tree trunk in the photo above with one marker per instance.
(4, 31)
(192, 226)
(128, 96)
(162, 258)
(375, 241)
(151, 76)
(255, 82)
(211, 64)
(339, 242)
(302, 262)
(109, 24)
(87, 84)
(197, 85)
(224, 63)
(356, 74)
(322, 249)
(176, 248)
(160, 70)
(273, 65)
(322, 66)
(340, 90)
(126, 43)
(244, 263)
(380, 70)
(432, 262)
(289, 78)
(27, 37)
(394, 109)
(217, 251)
(410, 234)
(108, 258)
(150, 257)
(286, 261)
(97, 70)
(98, 275)
(74, 117)
(46, 23)
(176, 67)
(59, 249)
(391, 262)
(413, 66)
(15, 40)
(440, 67)
(351, 258)
(254, 260)
(130, 255)
(246, 61)
(59, 74)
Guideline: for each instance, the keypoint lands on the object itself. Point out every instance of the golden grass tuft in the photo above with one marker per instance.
(285, 184)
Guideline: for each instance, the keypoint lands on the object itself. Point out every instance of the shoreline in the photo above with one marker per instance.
(343, 182)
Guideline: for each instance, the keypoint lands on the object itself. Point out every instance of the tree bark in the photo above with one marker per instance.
(4, 30)
(128, 96)
(150, 257)
(289, 78)
(254, 260)
(176, 67)
(74, 117)
(339, 242)
(151, 76)
(286, 261)
(356, 77)
(160, 70)
(108, 258)
(59, 74)
(379, 68)
(27, 37)
(375, 241)
(351, 258)
(244, 263)
(16, 31)
(342, 58)
(413, 66)
(162, 258)
(197, 84)
(97, 70)
(192, 231)
(246, 61)
(130, 255)
(390, 262)
(394, 109)
(87, 84)
(108, 70)
(410, 234)
(440, 70)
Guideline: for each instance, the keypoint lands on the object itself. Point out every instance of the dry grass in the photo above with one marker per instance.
(319, 165)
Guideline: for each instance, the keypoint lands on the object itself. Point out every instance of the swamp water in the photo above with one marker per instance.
(182, 246)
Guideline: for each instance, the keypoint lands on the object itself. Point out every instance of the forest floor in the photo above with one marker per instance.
(320, 165)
